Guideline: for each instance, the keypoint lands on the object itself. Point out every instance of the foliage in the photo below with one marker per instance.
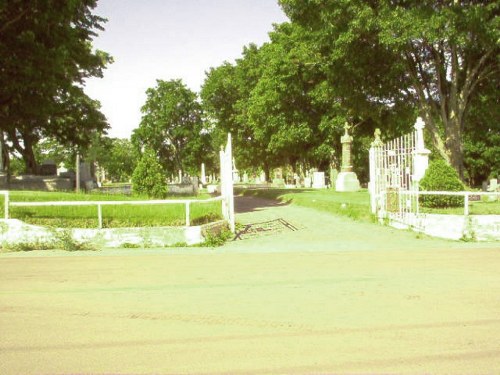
(118, 157)
(149, 176)
(431, 55)
(216, 238)
(482, 135)
(440, 176)
(172, 125)
(46, 53)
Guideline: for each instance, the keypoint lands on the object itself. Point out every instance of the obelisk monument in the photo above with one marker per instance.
(347, 179)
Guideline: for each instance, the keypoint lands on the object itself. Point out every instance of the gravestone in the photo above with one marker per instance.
(48, 168)
(307, 181)
(493, 185)
(236, 174)
(347, 179)
(245, 178)
(61, 169)
(318, 181)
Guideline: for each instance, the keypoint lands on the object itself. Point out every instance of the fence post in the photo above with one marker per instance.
(187, 214)
(99, 216)
(466, 204)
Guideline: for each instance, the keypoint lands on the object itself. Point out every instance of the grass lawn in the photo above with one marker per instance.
(475, 208)
(113, 216)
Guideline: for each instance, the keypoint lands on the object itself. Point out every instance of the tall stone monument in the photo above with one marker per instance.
(347, 179)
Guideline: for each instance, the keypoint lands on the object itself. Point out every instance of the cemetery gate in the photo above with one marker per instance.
(396, 167)
(226, 173)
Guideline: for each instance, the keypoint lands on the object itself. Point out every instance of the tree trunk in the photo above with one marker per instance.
(454, 147)
(29, 157)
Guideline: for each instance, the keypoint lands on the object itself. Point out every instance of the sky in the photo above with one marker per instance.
(170, 39)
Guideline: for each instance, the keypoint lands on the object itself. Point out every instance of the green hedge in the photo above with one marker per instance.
(441, 177)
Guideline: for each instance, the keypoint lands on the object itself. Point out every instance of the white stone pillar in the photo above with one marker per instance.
(203, 176)
(77, 173)
(421, 154)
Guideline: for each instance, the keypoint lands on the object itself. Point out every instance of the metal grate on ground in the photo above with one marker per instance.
(264, 228)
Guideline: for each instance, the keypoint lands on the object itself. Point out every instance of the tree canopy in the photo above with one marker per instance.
(436, 55)
(46, 54)
(172, 126)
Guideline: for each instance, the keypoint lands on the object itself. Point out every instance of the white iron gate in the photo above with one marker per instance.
(395, 169)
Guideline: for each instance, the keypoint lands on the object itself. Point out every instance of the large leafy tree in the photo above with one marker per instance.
(225, 97)
(46, 54)
(172, 126)
(433, 54)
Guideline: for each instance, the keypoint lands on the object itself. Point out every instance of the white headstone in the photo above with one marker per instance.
(318, 180)
(307, 182)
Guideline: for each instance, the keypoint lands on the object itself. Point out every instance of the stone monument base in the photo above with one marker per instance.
(347, 181)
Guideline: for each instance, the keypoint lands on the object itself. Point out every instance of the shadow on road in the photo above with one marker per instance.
(249, 204)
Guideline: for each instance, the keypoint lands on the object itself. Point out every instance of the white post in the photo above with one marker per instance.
(99, 216)
(229, 187)
(187, 214)
(77, 173)
(373, 180)
(180, 176)
(421, 154)
(466, 204)
(373, 186)
(203, 176)
(222, 183)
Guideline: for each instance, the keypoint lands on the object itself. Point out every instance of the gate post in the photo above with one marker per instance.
(421, 154)
(227, 193)
(374, 184)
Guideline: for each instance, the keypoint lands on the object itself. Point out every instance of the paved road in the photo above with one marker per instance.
(332, 297)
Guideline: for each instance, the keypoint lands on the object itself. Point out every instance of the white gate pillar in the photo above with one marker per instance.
(226, 170)
(421, 154)
(373, 185)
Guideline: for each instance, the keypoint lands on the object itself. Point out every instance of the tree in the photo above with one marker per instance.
(46, 55)
(433, 54)
(149, 176)
(120, 160)
(172, 125)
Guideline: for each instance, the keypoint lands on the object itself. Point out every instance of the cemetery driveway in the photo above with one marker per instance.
(312, 230)
(307, 293)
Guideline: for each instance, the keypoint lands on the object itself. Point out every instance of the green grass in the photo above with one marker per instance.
(113, 216)
(483, 207)
(355, 205)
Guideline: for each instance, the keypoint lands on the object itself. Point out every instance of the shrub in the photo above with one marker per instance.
(441, 177)
(149, 177)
